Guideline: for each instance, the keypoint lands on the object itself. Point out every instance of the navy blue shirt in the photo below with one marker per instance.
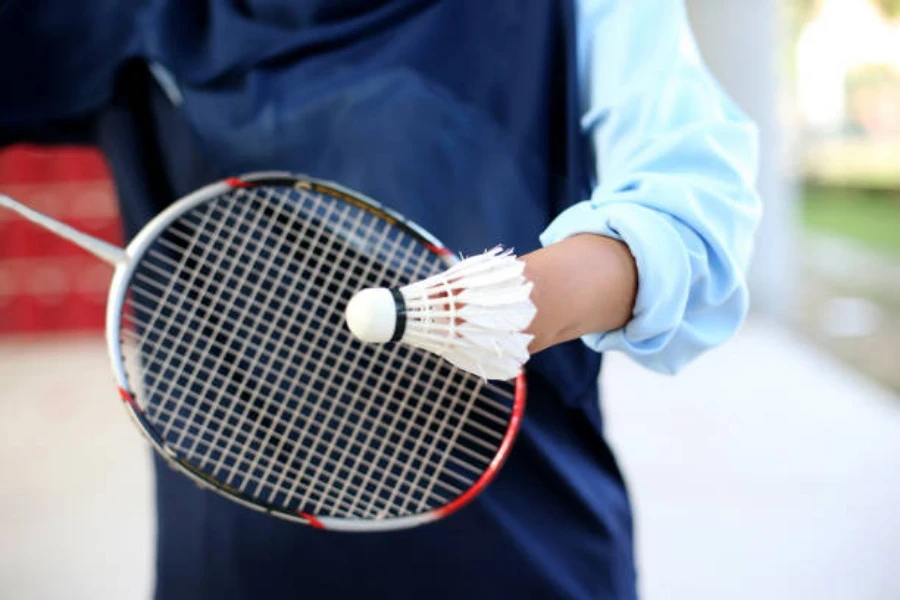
(460, 114)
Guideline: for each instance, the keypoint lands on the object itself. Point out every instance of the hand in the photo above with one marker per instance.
(584, 284)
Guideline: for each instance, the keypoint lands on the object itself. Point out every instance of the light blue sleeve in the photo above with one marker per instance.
(676, 165)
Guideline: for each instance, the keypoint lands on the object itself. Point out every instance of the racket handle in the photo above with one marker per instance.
(103, 250)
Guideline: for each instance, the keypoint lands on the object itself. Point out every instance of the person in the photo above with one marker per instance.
(586, 134)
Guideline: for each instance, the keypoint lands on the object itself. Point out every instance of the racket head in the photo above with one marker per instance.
(227, 340)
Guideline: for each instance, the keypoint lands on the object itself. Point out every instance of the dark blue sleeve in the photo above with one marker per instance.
(59, 62)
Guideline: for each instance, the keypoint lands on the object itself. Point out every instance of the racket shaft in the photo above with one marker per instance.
(103, 250)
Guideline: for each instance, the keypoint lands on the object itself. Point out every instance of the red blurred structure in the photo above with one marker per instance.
(48, 284)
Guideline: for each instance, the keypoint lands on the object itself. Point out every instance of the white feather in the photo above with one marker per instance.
(474, 314)
(496, 295)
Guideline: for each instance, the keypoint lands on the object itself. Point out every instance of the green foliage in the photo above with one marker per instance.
(867, 217)
(890, 8)
(799, 12)
(873, 75)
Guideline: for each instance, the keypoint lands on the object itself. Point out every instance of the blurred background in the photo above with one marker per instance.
(770, 468)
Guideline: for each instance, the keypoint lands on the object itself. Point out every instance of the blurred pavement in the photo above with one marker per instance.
(75, 502)
(850, 304)
(765, 470)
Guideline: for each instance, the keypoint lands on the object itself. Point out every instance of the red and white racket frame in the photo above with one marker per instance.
(118, 289)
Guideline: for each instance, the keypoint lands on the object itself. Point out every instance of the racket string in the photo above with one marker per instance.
(162, 411)
(330, 310)
(164, 414)
(265, 238)
(328, 385)
(435, 440)
(226, 449)
(390, 393)
(487, 401)
(170, 286)
(338, 491)
(291, 351)
(323, 490)
(207, 214)
(480, 411)
(351, 281)
(277, 417)
(180, 299)
(222, 288)
(475, 440)
(355, 433)
(246, 311)
(190, 449)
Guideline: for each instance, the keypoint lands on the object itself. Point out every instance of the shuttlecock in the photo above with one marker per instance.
(473, 314)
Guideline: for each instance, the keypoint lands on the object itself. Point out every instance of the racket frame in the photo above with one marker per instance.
(117, 295)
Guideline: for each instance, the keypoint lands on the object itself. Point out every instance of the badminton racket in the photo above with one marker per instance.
(227, 339)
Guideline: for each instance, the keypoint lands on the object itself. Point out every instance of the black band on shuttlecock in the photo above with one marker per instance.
(400, 307)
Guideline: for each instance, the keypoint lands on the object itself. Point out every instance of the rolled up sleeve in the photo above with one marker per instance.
(676, 164)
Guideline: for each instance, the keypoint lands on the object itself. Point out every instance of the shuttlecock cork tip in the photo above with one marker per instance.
(371, 315)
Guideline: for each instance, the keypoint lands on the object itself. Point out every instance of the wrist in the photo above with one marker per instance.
(583, 284)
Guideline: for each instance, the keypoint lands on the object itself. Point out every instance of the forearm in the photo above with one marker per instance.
(675, 162)
(584, 284)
